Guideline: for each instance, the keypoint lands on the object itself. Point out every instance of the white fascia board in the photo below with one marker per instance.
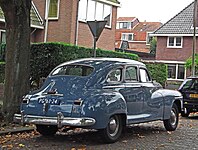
(137, 41)
(2, 20)
(165, 61)
(172, 35)
(110, 3)
(38, 27)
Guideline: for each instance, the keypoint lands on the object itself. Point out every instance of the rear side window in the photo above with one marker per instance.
(73, 70)
(114, 75)
(131, 74)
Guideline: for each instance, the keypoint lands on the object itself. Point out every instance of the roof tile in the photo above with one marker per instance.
(180, 24)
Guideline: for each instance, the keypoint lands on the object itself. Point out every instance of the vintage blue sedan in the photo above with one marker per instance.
(106, 94)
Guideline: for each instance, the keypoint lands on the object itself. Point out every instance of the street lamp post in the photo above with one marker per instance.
(194, 37)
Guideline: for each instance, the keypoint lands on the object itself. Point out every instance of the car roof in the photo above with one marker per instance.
(91, 61)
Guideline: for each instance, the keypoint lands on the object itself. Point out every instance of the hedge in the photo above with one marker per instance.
(45, 56)
(158, 72)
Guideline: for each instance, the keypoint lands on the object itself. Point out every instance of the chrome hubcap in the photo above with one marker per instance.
(113, 126)
(173, 118)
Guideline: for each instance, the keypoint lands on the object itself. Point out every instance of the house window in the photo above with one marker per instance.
(53, 9)
(148, 38)
(176, 71)
(90, 10)
(174, 42)
(3, 36)
(127, 37)
(124, 25)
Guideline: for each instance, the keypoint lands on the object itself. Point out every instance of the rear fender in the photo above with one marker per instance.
(101, 106)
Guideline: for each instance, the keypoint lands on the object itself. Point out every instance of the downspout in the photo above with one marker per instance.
(77, 24)
(46, 22)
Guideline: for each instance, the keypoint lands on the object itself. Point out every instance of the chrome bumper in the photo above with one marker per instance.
(60, 120)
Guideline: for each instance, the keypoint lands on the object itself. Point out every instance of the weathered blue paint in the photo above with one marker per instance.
(93, 97)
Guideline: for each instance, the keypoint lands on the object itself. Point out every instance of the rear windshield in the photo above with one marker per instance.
(73, 70)
(190, 84)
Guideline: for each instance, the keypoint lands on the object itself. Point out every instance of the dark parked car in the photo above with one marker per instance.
(189, 90)
(99, 93)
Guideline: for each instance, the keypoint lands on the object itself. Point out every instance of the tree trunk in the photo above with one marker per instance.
(17, 18)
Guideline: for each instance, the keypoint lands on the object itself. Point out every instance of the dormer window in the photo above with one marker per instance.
(124, 25)
(174, 42)
(53, 9)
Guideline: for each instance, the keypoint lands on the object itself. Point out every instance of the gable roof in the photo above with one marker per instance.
(181, 23)
(36, 20)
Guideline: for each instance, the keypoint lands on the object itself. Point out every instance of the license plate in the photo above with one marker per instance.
(52, 101)
(193, 95)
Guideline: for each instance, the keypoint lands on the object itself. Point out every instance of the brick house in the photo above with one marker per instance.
(67, 22)
(135, 33)
(174, 43)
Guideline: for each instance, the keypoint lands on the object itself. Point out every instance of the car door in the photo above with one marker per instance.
(153, 100)
(133, 94)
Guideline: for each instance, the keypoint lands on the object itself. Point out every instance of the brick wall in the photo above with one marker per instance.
(63, 29)
(174, 54)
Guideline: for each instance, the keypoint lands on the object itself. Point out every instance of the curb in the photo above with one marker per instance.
(17, 130)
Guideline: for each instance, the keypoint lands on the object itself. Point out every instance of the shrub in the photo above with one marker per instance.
(188, 63)
(158, 72)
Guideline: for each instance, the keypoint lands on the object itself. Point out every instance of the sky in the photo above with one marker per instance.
(152, 10)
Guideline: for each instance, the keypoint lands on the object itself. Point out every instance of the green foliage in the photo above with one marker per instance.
(158, 72)
(45, 56)
(153, 45)
(188, 63)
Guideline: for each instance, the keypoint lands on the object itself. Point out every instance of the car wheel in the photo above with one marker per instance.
(113, 130)
(171, 123)
(183, 114)
(46, 130)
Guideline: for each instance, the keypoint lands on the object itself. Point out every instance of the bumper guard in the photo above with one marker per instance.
(60, 120)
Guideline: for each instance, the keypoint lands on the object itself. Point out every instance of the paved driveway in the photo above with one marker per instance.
(136, 137)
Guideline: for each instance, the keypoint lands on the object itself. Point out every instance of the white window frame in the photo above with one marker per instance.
(176, 72)
(128, 25)
(4, 31)
(127, 34)
(46, 9)
(94, 14)
(147, 37)
(174, 46)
